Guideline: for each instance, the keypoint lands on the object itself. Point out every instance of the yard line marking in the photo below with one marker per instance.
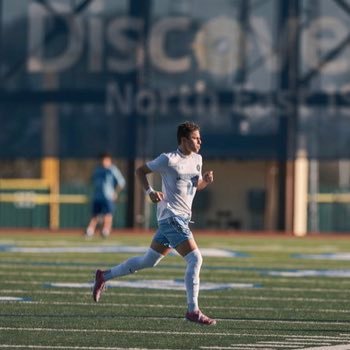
(144, 282)
(17, 346)
(309, 273)
(167, 284)
(119, 249)
(315, 337)
(262, 346)
(332, 347)
(162, 332)
(324, 256)
(39, 273)
(231, 347)
(334, 290)
(283, 344)
(314, 341)
(245, 320)
(295, 337)
(277, 346)
(12, 299)
(176, 307)
(76, 330)
(227, 297)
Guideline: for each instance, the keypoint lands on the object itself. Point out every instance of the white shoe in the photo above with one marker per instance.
(105, 233)
(89, 233)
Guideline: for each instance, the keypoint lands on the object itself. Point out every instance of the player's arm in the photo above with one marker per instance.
(119, 180)
(141, 173)
(208, 178)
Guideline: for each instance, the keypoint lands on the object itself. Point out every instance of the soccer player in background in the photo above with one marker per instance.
(107, 181)
(181, 173)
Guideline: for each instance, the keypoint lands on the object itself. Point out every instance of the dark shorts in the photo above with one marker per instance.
(102, 207)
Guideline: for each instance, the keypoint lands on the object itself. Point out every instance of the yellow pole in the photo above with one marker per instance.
(50, 171)
(301, 195)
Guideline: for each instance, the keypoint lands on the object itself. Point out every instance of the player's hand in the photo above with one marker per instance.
(156, 196)
(208, 177)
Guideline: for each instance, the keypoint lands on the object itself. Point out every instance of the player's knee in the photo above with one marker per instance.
(194, 259)
(152, 258)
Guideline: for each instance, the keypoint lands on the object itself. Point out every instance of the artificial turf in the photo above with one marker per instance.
(272, 306)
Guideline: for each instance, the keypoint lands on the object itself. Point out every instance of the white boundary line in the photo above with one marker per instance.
(257, 279)
(230, 319)
(67, 303)
(17, 346)
(76, 330)
(114, 292)
(261, 289)
(341, 338)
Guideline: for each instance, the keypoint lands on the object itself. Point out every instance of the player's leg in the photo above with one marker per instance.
(108, 209)
(154, 254)
(186, 246)
(90, 230)
(192, 255)
(107, 225)
(96, 210)
(150, 259)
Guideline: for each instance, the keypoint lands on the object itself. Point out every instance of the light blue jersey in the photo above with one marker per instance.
(105, 181)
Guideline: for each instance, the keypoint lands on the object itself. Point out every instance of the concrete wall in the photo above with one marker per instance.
(226, 203)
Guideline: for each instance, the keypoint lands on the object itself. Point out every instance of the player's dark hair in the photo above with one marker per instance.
(185, 129)
(103, 155)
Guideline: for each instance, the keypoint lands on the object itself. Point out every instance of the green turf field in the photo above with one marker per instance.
(278, 299)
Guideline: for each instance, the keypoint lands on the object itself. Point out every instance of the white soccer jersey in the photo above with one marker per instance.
(180, 175)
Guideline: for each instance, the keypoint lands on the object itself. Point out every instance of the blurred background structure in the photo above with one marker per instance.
(267, 80)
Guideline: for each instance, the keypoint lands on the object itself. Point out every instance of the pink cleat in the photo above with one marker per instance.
(199, 317)
(99, 286)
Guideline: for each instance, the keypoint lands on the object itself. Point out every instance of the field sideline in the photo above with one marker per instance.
(267, 292)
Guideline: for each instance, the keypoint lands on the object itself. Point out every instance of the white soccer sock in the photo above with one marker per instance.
(194, 262)
(150, 259)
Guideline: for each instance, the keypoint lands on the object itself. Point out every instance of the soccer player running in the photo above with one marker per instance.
(181, 173)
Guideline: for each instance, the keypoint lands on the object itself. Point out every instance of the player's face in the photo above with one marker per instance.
(193, 142)
(107, 162)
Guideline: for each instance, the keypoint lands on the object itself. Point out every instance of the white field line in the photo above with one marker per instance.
(257, 279)
(257, 345)
(286, 289)
(49, 267)
(14, 346)
(76, 330)
(340, 338)
(296, 345)
(318, 343)
(332, 347)
(162, 306)
(326, 338)
(333, 290)
(39, 274)
(247, 346)
(247, 268)
(282, 343)
(204, 296)
(231, 348)
(236, 320)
